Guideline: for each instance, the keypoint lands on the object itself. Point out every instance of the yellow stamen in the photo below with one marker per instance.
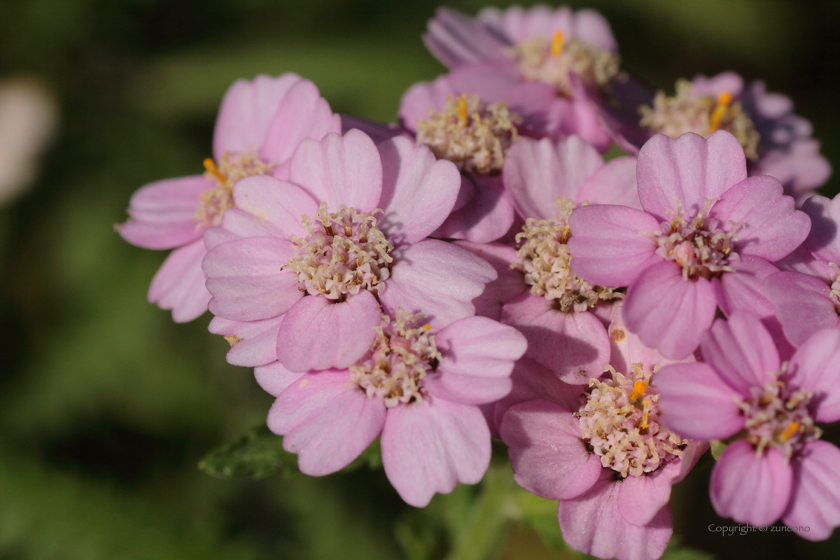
(211, 168)
(557, 43)
(643, 425)
(723, 102)
(427, 327)
(789, 432)
(462, 111)
(639, 388)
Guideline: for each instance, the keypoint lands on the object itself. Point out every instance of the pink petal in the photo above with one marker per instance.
(455, 39)
(741, 351)
(823, 240)
(627, 349)
(667, 312)
(548, 456)
(326, 421)
(538, 172)
(609, 246)
(341, 170)
(614, 183)
(274, 378)
(302, 113)
(162, 213)
(640, 498)
(815, 501)
(179, 284)
(436, 279)
(418, 192)
(254, 342)
(278, 204)
(247, 112)
(430, 446)
(773, 227)
(378, 132)
(505, 287)
(696, 403)
(592, 524)
(802, 303)
(592, 27)
(750, 489)
(248, 281)
(816, 367)
(486, 217)
(573, 345)
(478, 357)
(688, 170)
(317, 333)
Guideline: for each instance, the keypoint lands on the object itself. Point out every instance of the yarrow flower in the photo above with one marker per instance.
(298, 269)
(260, 123)
(775, 466)
(417, 386)
(705, 240)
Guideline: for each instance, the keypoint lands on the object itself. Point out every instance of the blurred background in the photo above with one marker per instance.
(106, 405)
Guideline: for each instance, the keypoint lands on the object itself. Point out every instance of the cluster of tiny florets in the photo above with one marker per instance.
(620, 423)
(701, 114)
(546, 262)
(344, 252)
(470, 133)
(230, 168)
(401, 355)
(551, 61)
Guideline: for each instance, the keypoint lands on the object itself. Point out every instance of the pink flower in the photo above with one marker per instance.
(777, 467)
(601, 452)
(303, 265)
(259, 125)
(558, 311)
(704, 240)
(418, 387)
(807, 298)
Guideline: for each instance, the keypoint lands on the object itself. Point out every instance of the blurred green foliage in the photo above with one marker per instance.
(106, 406)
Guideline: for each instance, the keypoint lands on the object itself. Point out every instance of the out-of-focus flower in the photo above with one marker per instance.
(260, 124)
(313, 258)
(418, 386)
(28, 120)
(705, 240)
(776, 467)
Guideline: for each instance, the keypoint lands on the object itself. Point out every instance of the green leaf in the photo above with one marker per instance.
(677, 552)
(718, 448)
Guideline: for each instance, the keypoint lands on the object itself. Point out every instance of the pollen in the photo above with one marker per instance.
(470, 133)
(232, 167)
(688, 112)
(344, 252)
(557, 43)
(792, 428)
(639, 388)
(400, 357)
(546, 262)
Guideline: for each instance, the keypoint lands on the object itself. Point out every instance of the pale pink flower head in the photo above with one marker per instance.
(806, 297)
(260, 124)
(704, 240)
(308, 261)
(559, 311)
(602, 452)
(417, 386)
(776, 141)
(776, 467)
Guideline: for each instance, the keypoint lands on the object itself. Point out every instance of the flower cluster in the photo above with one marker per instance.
(480, 269)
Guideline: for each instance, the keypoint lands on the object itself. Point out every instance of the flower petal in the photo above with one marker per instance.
(802, 303)
(179, 284)
(274, 378)
(741, 351)
(456, 39)
(824, 238)
(641, 497)
(253, 343)
(816, 367)
(279, 203)
(614, 183)
(485, 217)
(815, 501)
(506, 286)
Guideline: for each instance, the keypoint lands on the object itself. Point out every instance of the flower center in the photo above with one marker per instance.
(231, 168)
(401, 355)
(700, 246)
(470, 133)
(835, 287)
(620, 423)
(546, 262)
(343, 253)
(779, 418)
(551, 60)
(701, 114)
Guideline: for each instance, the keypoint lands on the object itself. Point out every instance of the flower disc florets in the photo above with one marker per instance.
(344, 252)
(620, 423)
(401, 355)
(552, 60)
(700, 246)
(701, 114)
(546, 262)
(231, 168)
(470, 133)
(779, 418)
